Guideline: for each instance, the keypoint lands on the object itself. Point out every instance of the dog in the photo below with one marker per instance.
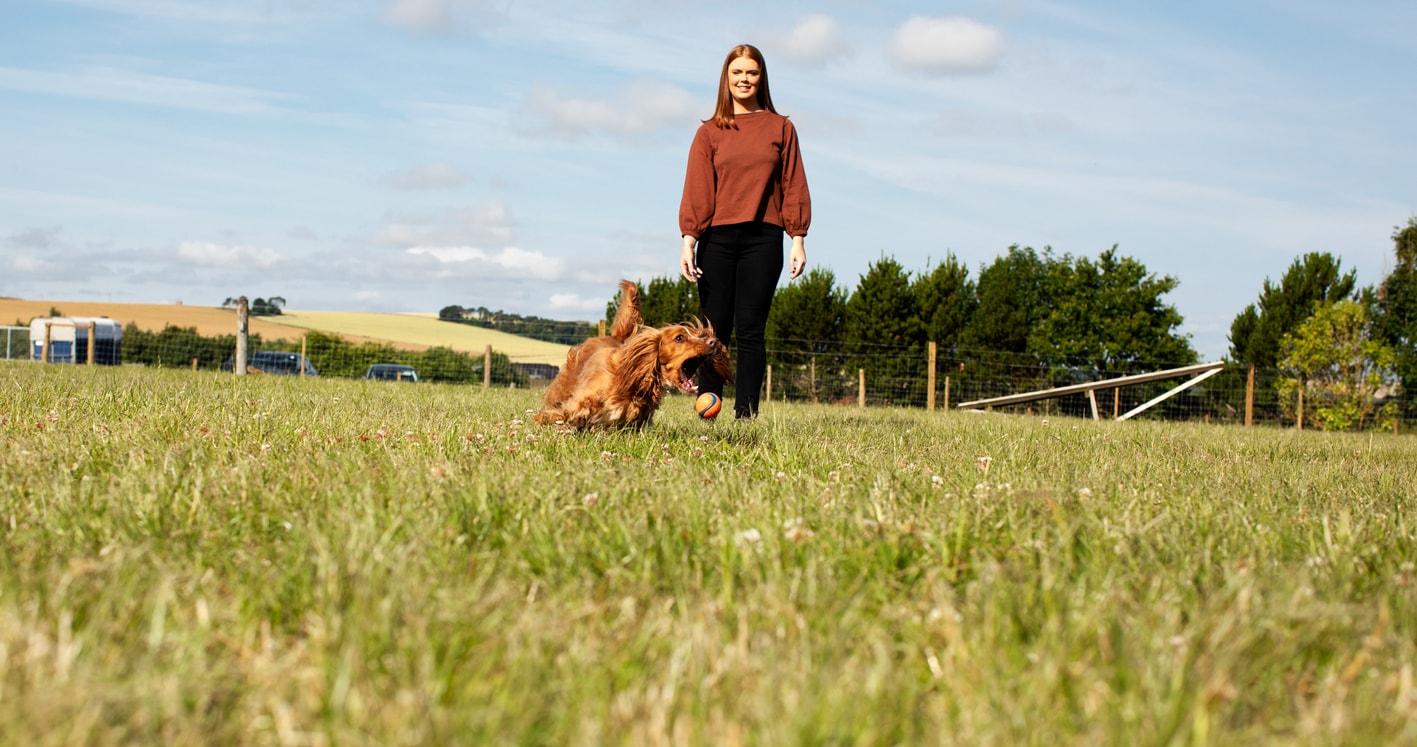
(618, 380)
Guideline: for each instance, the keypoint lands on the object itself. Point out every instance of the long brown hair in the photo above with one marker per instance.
(723, 113)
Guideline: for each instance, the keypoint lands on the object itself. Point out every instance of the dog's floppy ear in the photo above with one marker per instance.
(639, 364)
(720, 363)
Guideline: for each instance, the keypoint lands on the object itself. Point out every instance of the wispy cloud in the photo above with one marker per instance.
(482, 224)
(639, 107)
(428, 176)
(112, 84)
(507, 262)
(946, 45)
(208, 11)
(817, 40)
(228, 256)
(438, 16)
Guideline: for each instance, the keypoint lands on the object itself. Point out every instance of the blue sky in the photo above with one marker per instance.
(405, 155)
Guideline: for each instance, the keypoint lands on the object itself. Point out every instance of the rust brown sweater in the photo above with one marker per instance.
(753, 173)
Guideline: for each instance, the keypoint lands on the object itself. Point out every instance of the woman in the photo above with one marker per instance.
(743, 188)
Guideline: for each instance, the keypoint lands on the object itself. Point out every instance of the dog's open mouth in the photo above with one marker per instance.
(685, 379)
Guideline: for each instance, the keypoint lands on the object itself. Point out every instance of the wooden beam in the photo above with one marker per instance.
(1014, 399)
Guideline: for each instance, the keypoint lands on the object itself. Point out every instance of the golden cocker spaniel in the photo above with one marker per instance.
(618, 380)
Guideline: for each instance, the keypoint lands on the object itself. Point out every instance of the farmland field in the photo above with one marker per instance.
(405, 331)
(189, 558)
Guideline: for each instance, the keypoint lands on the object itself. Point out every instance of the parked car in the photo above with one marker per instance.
(275, 362)
(391, 372)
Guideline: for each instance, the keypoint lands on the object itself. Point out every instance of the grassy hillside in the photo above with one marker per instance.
(189, 558)
(406, 331)
(427, 331)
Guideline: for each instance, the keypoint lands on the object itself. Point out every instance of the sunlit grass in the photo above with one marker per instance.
(189, 558)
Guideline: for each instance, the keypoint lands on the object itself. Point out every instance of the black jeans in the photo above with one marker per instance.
(741, 264)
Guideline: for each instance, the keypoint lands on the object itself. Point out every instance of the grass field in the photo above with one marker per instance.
(404, 331)
(196, 559)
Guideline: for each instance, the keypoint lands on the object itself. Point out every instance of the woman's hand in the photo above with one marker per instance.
(797, 258)
(687, 268)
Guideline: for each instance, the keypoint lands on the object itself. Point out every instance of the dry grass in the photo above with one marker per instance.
(187, 558)
(419, 331)
(403, 331)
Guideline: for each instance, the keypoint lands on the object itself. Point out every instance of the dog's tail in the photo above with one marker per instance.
(627, 317)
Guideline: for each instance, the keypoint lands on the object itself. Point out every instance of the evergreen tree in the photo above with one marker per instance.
(669, 301)
(883, 330)
(946, 299)
(1314, 279)
(1396, 314)
(805, 326)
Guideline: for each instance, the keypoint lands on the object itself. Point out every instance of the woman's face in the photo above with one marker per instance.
(743, 74)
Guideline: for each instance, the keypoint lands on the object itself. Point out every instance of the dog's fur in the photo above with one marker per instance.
(618, 380)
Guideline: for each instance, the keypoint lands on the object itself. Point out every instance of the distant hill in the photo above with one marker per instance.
(406, 331)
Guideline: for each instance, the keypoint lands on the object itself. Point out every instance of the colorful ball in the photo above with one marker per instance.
(707, 405)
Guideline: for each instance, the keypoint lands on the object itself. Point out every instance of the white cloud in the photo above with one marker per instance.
(639, 107)
(208, 254)
(946, 45)
(509, 262)
(436, 16)
(482, 224)
(573, 302)
(111, 84)
(815, 41)
(437, 175)
(46, 237)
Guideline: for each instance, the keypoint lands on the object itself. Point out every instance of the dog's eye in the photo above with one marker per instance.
(678, 338)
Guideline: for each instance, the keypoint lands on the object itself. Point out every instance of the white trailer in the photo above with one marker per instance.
(76, 339)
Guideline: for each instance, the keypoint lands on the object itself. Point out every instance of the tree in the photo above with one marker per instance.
(1314, 279)
(1011, 301)
(1109, 316)
(946, 299)
(805, 324)
(883, 329)
(1396, 313)
(669, 301)
(1336, 360)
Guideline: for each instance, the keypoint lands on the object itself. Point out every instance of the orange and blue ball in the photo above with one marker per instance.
(707, 405)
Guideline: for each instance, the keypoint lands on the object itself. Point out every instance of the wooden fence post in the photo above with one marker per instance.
(48, 339)
(930, 380)
(861, 388)
(243, 322)
(93, 332)
(1301, 405)
(947, 394)
(1116, 402)
(487, 364)
(768, 395)
(303, 358)
(1250, 398)
(194, 364)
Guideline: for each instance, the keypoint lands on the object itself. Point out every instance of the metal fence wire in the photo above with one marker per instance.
(825, 372)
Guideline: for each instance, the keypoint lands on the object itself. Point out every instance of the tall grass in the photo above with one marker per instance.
(188, 558)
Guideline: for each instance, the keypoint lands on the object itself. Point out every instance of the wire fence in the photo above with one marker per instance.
(799, 371)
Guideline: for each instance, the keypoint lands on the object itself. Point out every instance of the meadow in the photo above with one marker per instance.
(190, 558)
